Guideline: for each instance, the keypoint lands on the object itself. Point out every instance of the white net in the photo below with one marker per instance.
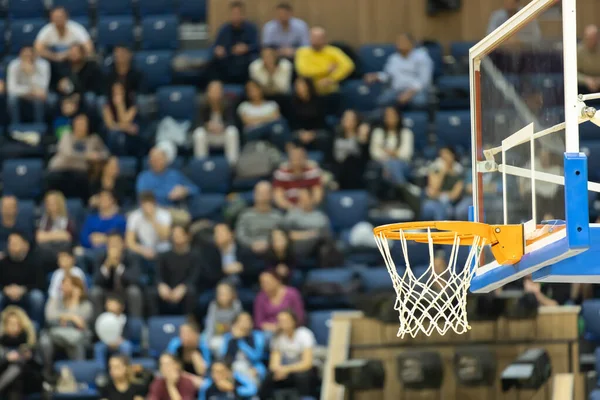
(437, 299)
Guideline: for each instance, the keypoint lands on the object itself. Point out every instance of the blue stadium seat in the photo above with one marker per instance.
(114, 7)
(76, 211)
(23, 177)
(591, 148)
(418, 122)
(135, 331)
(208, 206)
(460, 50)
(178, 102)
(212, 175)
(418, 253)
(76, 8)
(147, 363)
(341, 276)
(85, 372)
(156, 7)
(178, 163)
(23, 33)
(155, 67)
(359, 96)
(589, 131)
(454, 92)
(347, 208)
(128, 166)
(23, 9)
(160, 331)
(436, 52)
(232, 89)
(192, 77)
(374, 56)
(375, 279)
(160, 33)
(453, 128)
(2, 39)
(113, 31)
(27, 212)
(319, 323)
(84, 20)
(590, 310)
(192, 10)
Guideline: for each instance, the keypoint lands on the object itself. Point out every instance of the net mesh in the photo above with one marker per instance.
(437, 299)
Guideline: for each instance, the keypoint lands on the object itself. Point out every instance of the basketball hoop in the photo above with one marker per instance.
(436, 300)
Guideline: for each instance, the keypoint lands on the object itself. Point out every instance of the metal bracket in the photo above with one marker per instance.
(487, 166)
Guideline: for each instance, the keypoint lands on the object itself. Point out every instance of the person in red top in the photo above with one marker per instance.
(297, 173)
(171, 385)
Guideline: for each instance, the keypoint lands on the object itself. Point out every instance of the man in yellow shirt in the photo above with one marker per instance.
(325, 65)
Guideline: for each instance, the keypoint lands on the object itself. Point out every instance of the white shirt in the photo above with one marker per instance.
(252, 110)
(75, 33)
(291, 349)
(413, 71)
(381, 141)
(57, 278)
(145, 232)
(279, 82)
(19, 83)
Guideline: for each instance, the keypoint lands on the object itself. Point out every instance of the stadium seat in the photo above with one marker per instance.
(23, 177)
(23, 33)
(375, 279)
(453, 128)
(335, 276)
(319, 323)
(155, 67)
(347, 208)
(135, 331)
(2, 39)
(460, 52)
(114, 31)
(84, 372)
(591, 148)
(192, 10)
(359, 96)
(160, 33)
(27, 212)
(23, 9)
(178, 102)
(436, 52)
(76, 211)
(418, 122)
(454, 92)
(374, 56)
(160, 331)
(235, 90)
(590, 310)
(212, 175)
(147, 363)
(178, 163)
(76, 8)
(193, 76)
(208, 206)
(128, 166)
(114, 7)
(589, 131)
(418, 253)
(156, 7)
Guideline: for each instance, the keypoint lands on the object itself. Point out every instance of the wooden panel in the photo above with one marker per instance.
(337, 352)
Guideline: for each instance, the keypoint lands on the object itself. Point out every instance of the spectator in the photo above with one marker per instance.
(95, 230)
(254, 225)
(444, 187)
(235, 47)
(410, 73)
(123, 72)
(28, 79)
(192, 349)
(588, 60)
(285, 32)
(102, 351)
(307, 227)
(11, 221)
(119, 273)
(228, 261)
(326, 65)
(111, 179)
(256, 111)
(21, 370)
(291, 361)
(171, 384)
(272, 74)
(246, 346)
(297, 173)
(280, 256)
(22, 275)
(274, 297)
(148, 228)
(56, 38)
(530, 32)
(170, 186)
(217, 125)
(56, 229)
(66, 266)
(308, 119)
(551, 294)
(351, 151)
(68, 319)
(121, 385)
(221, 314)
(392, 147)
(119, 115)
(77, 152)
(81, 76)
(223, 383)
(176, 275)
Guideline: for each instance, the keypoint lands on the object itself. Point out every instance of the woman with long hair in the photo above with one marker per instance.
(257, 111)
(55, 227)
(308, 116)
(122, 384)
(119, 115)
(111, 179)
(20, 369)
(280, 255)
(350, 151)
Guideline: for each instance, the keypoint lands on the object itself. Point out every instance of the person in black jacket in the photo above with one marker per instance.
(176, 276)
(22, 273)
(351, 151)
(119, 273)
(225, 384)
(80, 75)
(308, 117)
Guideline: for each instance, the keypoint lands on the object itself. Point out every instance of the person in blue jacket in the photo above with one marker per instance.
(193, 351)
(246, 346)
(223, 384)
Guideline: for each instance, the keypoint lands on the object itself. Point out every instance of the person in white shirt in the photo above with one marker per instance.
(273, 74)
(291, 361)
(28, 78)
(66, 266)
(257, 111)
(409, 72)
(148, 228)
(56, 38)
(392, 146)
